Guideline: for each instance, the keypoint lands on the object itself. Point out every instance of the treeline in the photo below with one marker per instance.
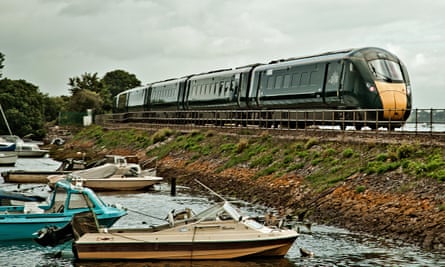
(29, 111)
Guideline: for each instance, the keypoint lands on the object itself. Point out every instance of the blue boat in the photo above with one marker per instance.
(22, 216)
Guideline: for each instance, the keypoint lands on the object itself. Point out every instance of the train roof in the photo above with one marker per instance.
(365, 53)
(221, 72)
(168, 82)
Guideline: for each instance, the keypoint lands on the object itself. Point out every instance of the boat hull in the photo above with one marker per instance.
(183, 250)
(24, 226)
(121, 183)
(21, 176)
(32, 153)
(8, 158)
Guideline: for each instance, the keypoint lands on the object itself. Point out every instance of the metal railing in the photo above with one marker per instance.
(420, 120)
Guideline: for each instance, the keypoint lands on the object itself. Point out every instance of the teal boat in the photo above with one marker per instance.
(22, 216)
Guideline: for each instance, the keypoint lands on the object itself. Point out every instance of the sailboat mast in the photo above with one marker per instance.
(6, 121)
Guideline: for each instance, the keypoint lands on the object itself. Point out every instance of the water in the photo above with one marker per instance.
(331, 246)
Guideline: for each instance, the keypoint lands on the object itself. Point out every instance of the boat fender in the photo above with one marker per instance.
(171, 218)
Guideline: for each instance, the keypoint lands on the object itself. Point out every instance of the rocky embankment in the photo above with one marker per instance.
(415, 216)
(394, 203)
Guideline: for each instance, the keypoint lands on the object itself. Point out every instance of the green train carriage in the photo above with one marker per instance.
(367, 86)
(363, 79)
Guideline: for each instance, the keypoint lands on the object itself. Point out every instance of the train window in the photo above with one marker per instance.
(227, 87)
(263, 81)
(286, 82)
(270, 82)
(296, 79)
(221, 86)
(386, 70)
(333, 76)
(213, 88)
(278, 82)
(304, 78)
(315, 78)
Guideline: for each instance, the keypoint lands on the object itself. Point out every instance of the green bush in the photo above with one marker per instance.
(360, 189)
(310, 143)
(348, 152)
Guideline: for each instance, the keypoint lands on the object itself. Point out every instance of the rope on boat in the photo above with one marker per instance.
(145, 214)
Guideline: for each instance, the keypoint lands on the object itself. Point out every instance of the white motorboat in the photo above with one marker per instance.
(219, 232)
(25, 149)
(118, 175)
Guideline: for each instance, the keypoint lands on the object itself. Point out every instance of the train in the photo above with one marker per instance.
(365, 86)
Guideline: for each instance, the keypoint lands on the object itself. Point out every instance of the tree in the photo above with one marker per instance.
(2, 58)
(87, 81)
(53, 106)
(92, 83)
(119, 80)
(24, 108)
(86, 99)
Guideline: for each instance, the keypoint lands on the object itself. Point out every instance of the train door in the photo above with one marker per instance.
(181, 86)
(188, 85)
(147, 99)
(332, 87)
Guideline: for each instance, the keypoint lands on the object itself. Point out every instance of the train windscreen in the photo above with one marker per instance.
(386, 70)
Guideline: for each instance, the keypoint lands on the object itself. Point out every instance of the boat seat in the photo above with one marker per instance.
(32, 207)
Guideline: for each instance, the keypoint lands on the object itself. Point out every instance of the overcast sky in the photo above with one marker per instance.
(48, 41)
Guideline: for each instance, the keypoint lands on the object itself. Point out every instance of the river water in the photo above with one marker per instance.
(331, 246)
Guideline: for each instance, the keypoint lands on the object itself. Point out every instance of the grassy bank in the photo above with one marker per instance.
(322, 164)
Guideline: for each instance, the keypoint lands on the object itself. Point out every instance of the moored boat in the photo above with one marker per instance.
(8, 155)
(117, 176)
(41, 177)
(26, 149)
(8, 158)
(219, 232)
(20, 218)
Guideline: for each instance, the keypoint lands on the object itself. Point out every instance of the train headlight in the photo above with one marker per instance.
(371, 87)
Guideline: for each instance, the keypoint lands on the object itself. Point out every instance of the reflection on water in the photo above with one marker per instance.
(331, 246)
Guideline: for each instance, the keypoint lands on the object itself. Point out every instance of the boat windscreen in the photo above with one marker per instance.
(232, 211)
(209, 213)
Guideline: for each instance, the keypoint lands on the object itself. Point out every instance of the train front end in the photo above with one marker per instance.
(388, 88)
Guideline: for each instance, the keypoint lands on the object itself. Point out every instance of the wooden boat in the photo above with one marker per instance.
(41, 177)
(29, 177)
(121, 176)
(219, 232)
(21, 217)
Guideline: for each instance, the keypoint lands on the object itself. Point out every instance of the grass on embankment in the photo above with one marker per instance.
(323, 164)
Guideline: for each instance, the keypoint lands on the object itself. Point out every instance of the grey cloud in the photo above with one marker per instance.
(48, 41)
